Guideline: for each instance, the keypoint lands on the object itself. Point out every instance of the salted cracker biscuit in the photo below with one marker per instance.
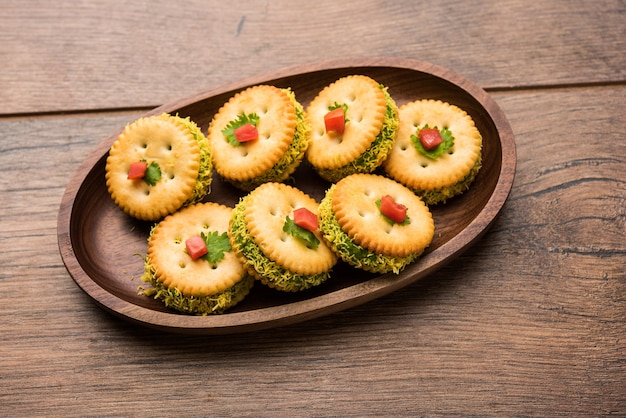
(451, 173)
(283, 137)
(370, 128)
(266, 210)
(276, 258)
(175, 268)
(353, 224)
(183, 158)
(356, 210)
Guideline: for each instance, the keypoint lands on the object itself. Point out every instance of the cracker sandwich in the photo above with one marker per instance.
(274, 230)
(260, 135)
(157, 165)
(374, 223)
(354, 122)
(190, 263)
(438, 152)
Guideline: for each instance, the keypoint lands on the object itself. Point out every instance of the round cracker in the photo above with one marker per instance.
(266, 210)
(366, 111)
(355, 208)
(168, 142)
(276, 127)
(174, 267)
(418, 172)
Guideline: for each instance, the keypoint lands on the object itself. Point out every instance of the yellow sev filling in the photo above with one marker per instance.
(205, 172)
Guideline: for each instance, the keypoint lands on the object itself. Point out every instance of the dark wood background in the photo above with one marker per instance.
(529, 322)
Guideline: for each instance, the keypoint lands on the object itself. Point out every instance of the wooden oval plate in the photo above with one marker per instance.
(103, 248)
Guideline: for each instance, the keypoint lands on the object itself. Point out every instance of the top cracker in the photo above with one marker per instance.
(448, 174)
(178, 152)
(282, 137)
(371, 121)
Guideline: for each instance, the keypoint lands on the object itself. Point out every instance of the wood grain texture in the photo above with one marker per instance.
(102, 54)
(529, 322)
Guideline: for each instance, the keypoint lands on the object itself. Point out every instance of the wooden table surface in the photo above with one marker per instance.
(530, 321)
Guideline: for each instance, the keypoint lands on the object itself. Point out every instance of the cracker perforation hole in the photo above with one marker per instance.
(182, 265)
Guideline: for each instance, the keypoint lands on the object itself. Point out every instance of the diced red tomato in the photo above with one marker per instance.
(394, 211)
(305, 219)
(335, 121)
(137, 170)
(430, 138)
(196, 247)
(245, 133)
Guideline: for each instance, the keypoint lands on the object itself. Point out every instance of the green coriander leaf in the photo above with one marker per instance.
(448, 142)
(216, 244)
(153, 174)
(391, 221)
(229, 130)
(305, 235)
